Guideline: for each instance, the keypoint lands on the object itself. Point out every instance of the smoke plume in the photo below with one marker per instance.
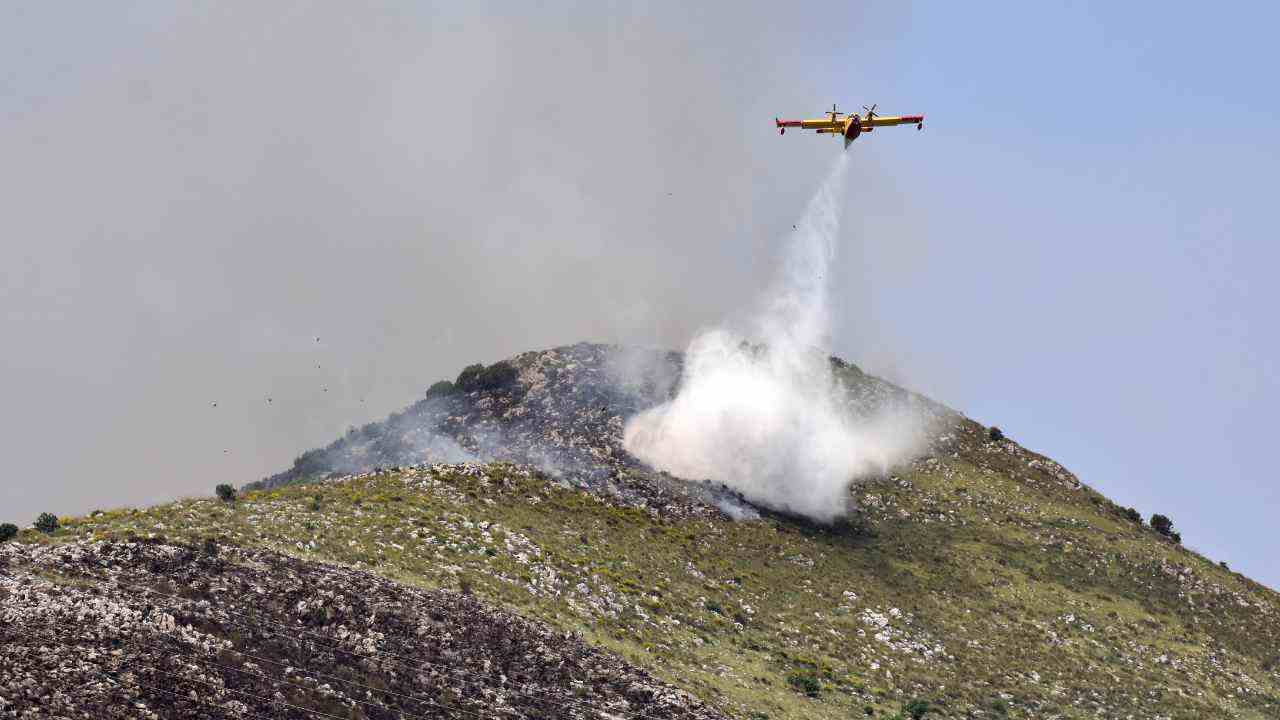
(766, 417)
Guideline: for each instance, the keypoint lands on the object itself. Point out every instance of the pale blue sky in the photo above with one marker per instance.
(1079, 248)
(1097, 186)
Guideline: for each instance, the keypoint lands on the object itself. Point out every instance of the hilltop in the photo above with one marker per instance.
(499, 528)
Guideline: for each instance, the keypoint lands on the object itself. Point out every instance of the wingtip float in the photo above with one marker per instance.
(849, 126)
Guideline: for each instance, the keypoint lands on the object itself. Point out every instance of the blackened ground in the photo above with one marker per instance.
(562, 411)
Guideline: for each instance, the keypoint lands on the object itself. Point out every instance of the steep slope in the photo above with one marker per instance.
(983, 578)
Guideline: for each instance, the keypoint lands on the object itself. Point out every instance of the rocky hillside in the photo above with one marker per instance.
(479, 527)
(152, 629)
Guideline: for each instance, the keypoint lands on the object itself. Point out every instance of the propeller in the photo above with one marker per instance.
(834, 112)
(871, 111)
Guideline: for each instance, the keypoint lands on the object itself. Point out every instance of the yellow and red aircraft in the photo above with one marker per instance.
(850, 126)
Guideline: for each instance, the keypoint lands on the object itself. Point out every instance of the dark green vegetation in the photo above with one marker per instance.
(8, 531)
(479, 377)
(916, 709)
(1164, 526)
(439, 389)
(225, 492)
(47, 523)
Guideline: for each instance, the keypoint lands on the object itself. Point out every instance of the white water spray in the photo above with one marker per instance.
(767, 419)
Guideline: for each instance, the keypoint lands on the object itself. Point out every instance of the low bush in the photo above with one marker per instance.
(479, 377)
(47, 523)
(440, 389)
(8, 531)
(916, 709)
(467, 378)
(1133, 515)
(225, 492)
(995, 434)
(805, 682)
(1163, 525)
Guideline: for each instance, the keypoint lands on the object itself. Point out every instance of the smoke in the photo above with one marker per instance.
(196, 192)
(767, 419)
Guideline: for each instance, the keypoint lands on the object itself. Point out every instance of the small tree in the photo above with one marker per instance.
(995, 434)
(479, 377)
(47, 523)
(439, 389)
(225, 492)
(1133, 514)
(8, 531)
(1162, 524)
(467, 378)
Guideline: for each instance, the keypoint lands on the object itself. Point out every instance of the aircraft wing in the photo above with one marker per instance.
(890, 120)
(825, 123)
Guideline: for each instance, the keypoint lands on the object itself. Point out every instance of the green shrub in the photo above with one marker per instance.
(479, 377)
(467, 378)
(47, 523)
(805, 682)
(8, 531)
(995, 434)
(1163, 525)
(916, 709)
(442, 388)
(1133, 515)
(225, 492)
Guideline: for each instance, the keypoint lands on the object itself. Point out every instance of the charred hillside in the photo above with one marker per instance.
(560, 410)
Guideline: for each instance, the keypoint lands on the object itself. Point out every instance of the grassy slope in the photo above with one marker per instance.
(979, 581)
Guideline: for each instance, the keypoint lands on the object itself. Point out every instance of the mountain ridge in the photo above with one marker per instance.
(561, 410)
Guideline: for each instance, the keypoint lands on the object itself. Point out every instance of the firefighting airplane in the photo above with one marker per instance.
(850, 126)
